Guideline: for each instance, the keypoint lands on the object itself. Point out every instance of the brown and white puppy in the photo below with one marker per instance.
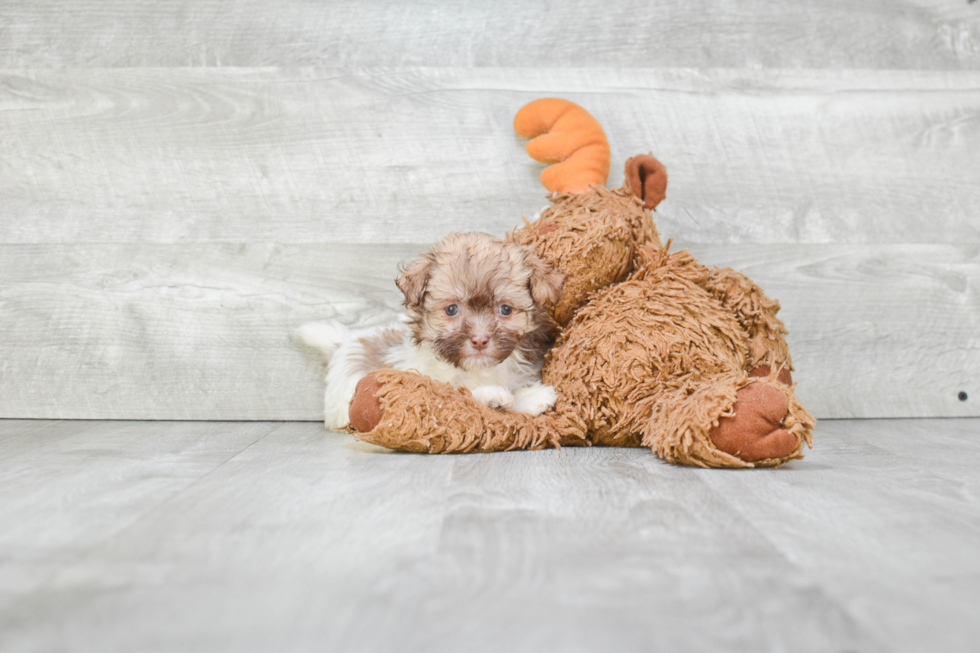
(477, 316)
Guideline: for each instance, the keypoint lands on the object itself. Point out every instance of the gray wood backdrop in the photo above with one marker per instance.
(184, 182)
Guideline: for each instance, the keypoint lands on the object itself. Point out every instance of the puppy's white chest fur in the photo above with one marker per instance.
(511, 373)
(513, 384)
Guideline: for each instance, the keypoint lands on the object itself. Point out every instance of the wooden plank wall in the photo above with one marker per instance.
(182, 183)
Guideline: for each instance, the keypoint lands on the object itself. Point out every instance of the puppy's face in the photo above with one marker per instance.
(476, 299)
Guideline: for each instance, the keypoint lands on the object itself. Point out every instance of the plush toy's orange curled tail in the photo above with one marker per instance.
(568, 136)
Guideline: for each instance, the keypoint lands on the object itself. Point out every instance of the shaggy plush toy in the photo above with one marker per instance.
(656, 350)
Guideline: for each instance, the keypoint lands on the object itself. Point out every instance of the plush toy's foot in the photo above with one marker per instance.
(755, 430)
(365, 408)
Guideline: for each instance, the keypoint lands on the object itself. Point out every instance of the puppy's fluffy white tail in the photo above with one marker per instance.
(324, 336)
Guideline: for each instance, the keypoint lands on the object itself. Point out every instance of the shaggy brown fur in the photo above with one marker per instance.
(656, 350)
(596, 239)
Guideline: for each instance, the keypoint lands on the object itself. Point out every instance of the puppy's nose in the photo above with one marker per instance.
(479, 341)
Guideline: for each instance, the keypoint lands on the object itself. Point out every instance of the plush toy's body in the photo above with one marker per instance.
(656, 350)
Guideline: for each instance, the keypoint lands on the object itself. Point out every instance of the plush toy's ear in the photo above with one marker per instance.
(546, 282)
(413, 281)
(646, 178)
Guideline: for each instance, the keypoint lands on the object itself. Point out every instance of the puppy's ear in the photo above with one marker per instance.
(413, 281)
(546, 282)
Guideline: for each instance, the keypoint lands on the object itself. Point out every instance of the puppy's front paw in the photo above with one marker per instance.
(535, 399)
(494, 396)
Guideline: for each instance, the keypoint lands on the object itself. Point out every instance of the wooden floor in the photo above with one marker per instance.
(210, 536)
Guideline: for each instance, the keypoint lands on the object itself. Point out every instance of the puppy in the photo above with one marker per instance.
(476, 316)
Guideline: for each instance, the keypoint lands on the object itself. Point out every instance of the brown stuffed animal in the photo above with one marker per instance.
(656, 350)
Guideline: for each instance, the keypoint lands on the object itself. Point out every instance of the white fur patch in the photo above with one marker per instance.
(325, 336)
(534, 399)
(494, 396)
(514, 384)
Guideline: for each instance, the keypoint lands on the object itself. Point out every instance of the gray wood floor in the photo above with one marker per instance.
(197, 536)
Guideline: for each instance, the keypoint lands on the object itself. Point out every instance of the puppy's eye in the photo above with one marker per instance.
(505, 309)
(452, 309)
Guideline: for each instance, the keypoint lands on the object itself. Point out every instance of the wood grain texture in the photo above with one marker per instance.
(400, 156)
(178, 332)
(869, 34)
(188, 537)
(110, 331)
(918, 511)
